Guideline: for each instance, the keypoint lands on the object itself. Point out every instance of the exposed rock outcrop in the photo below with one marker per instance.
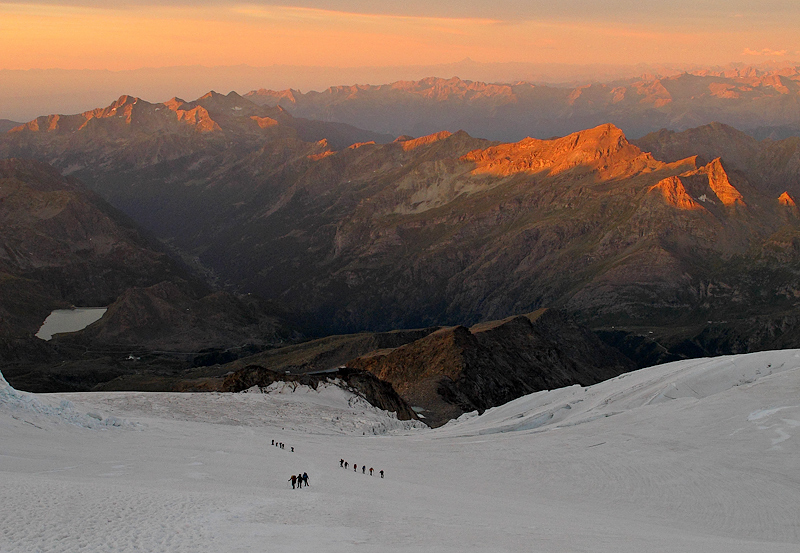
(456, 370)
(62, 245)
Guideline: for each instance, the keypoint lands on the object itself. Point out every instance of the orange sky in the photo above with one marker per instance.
(157, 49)
(36, 35)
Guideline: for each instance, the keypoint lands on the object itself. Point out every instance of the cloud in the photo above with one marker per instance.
(764, 52)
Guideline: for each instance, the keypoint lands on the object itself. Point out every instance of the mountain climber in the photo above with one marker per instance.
(381, 473)
(363, 469)
(341, 462)
(355, 467)
(345, 464)
(305, 479)
(299, 481)
(370, 471)
(293, 479)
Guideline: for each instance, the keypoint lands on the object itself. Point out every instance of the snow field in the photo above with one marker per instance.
(694, 456)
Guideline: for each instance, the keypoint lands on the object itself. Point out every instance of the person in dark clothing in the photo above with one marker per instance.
(355, 468)
(381, 473)
(370, 471)
(305, 479)
(341, 462)
(273, 442)
(293, 479)
(299, 481)
(345, 464)
(363, 469)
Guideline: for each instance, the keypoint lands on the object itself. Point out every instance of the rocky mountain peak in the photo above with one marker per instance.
(787, 200)
(217, 100)
(211, 95)
(720, 183)
(458, 369)
(673, 193)
(604, 148)
(199, 118)
(414, 143)
(122, 108)
(124, 100)
(174, 103)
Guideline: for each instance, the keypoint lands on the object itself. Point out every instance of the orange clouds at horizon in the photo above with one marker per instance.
(36, 36)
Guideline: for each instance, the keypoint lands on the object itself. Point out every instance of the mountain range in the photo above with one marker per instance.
(62, 245)
(765, 103)
(447, 228)
(676, 244)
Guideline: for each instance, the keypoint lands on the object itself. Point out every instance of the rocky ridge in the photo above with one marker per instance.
(448, 229)
(62, 245)
(771, 165)
(764, 102)
(457, 370)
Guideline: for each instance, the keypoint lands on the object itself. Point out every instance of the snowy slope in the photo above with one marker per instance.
(693, 456)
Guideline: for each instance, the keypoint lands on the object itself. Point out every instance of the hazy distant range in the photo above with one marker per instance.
(27, 94)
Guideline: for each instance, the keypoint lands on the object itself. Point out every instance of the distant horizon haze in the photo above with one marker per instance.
(27, 94)
(143, 47)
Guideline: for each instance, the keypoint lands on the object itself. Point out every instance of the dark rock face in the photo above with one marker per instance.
(772, 165)
(457, 370)
(61, 244)
(166, 317)
(378, 392)
(6, 125)
(329, 353)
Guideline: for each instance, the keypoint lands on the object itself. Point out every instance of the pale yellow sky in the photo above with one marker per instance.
(131, 35)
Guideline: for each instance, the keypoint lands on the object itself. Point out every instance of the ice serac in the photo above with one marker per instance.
(456, 370)
(377, 392)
